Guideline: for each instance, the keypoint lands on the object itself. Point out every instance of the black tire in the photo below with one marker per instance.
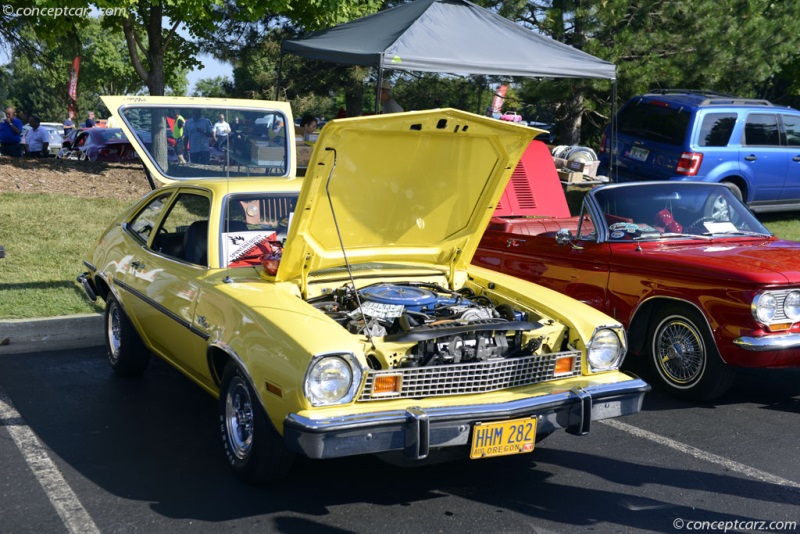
(126, 352)
(252, 446)
(735, 189)
(683, 357)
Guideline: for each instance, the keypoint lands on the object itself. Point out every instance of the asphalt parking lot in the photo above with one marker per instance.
(85, 451)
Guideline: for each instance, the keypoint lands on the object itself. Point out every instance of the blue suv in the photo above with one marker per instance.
(678, 134)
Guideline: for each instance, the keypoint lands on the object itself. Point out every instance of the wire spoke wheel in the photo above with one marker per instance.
(680, 351)
(683, 356)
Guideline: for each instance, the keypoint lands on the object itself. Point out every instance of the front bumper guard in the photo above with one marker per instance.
(416, 431)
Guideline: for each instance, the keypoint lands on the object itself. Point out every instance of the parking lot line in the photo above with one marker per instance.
(701, 454)
(69, 508)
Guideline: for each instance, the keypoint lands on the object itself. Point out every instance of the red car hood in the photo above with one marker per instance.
(767, 261)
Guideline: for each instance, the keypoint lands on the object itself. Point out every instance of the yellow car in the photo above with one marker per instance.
(339, 314)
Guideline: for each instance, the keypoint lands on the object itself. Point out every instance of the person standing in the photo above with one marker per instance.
(309, 125)
(177, 134)
(69, 124)
(388, 103)
(198, 131)
(89, 120)
(38, 138)
(10, 134)
(221, 131)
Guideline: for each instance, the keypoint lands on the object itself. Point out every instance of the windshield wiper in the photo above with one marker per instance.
(705, 237)
(741, 232)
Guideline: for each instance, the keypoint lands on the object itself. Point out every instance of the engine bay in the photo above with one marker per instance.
(444, 326)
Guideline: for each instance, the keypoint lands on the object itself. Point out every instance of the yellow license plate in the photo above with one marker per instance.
(502, 438)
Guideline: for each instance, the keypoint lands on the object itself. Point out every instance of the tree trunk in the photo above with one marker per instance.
(569, 117)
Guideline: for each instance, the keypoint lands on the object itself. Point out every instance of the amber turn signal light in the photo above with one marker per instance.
(386, 384)
(564, 365)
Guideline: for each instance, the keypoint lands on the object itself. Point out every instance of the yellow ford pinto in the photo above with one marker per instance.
(338, 314)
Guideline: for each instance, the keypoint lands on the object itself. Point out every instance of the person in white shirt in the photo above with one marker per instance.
(388, 103)
(221, 131)
(38, 139)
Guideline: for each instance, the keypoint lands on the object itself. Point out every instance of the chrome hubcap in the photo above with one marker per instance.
(719, 210)
(239, 418)
(114, 331)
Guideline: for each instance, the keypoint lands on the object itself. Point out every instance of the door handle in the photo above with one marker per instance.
(136, 264)
(514, 242)
(796, 158)
(751, 157)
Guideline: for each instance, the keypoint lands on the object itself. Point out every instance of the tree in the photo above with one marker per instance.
(217, 87)
(734, 46)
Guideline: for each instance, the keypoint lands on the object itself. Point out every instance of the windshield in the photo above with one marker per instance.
(256, 225)
(208, 141)
(669, 209)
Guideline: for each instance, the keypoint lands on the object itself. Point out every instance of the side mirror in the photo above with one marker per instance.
(565, 237)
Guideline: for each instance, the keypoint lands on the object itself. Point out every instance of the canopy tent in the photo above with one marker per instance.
(448, 36)
(453, 36)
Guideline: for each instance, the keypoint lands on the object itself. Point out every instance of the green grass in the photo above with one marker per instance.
(46, 238)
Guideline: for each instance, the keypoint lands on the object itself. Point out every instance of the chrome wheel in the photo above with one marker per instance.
(239, 418)
(114, 332)
(719, 209)
(683, 356)
(679, 352)
(125, 350)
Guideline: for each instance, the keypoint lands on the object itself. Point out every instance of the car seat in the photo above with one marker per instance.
(195, 243)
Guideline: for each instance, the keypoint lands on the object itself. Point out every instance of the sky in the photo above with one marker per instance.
(212, 68)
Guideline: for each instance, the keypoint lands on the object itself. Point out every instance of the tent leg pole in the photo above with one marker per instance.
(613, 137)
(378, 91)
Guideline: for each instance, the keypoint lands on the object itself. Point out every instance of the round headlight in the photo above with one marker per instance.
(791, 306)
(765, 307)
(605, 350)
(328, 381)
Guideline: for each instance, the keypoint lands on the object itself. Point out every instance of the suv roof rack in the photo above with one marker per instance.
(702, 92)
(714, 97)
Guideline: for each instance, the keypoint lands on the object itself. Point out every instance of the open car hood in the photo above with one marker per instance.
(408, 188)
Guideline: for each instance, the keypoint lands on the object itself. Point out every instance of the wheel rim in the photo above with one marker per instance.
(239, 418)
(679, 352)
(720, 210)
(114, 332)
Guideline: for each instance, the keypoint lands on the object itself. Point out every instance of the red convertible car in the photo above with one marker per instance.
(700, 284)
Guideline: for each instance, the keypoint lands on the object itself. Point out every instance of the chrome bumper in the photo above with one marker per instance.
(416, 431)
(88, 286)
(765, 343)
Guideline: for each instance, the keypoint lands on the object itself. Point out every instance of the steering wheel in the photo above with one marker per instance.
(702, 220)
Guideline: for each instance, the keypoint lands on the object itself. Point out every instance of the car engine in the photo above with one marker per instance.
(447, 326)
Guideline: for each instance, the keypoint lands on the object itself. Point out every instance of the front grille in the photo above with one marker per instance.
(471, 378)
(780, 296)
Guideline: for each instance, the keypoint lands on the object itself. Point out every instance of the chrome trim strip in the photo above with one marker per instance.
(415, 430)
(141, 296)
(765, 343)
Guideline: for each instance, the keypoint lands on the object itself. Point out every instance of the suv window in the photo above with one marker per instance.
(716, 129)
(653, 122)
(791, 124)
(761, 129)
